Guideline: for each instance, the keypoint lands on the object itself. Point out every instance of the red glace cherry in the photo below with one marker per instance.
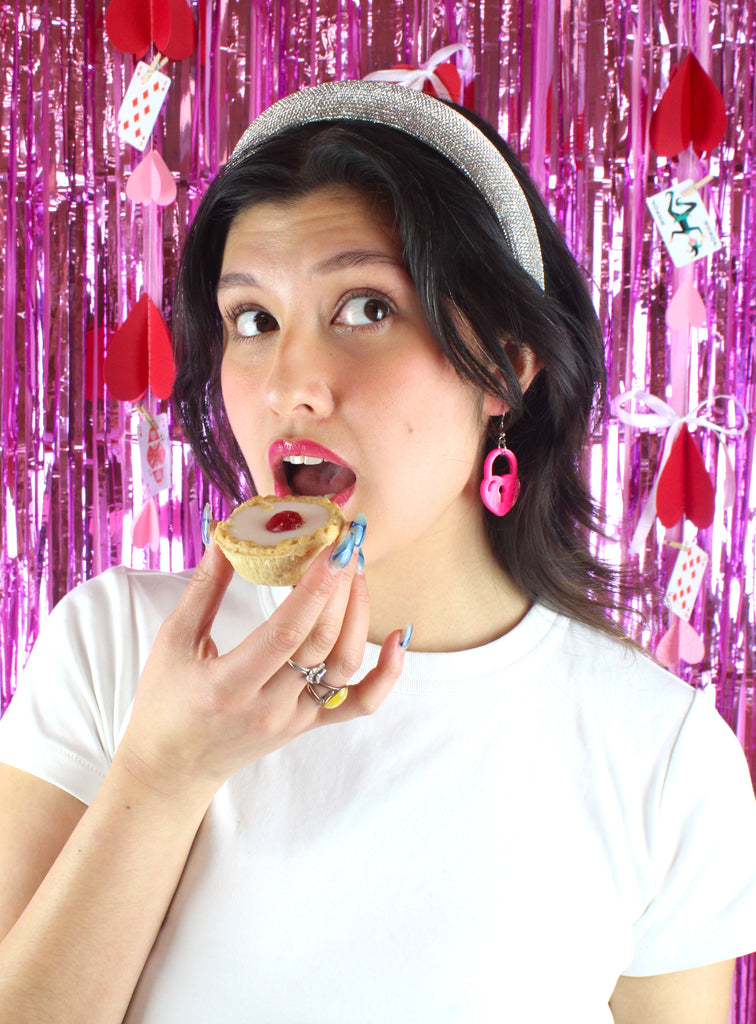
(288, 520)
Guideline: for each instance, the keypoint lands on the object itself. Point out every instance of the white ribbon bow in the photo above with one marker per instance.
(664, 417)
(415, 78)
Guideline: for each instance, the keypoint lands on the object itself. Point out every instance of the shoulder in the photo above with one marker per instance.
(121, 610)
(614, 677)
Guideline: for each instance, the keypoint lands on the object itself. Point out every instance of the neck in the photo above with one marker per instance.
(455, 599)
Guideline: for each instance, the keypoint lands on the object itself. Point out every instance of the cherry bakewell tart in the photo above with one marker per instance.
(271, 540)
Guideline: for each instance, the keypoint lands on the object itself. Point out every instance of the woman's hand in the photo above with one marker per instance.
(199, 717)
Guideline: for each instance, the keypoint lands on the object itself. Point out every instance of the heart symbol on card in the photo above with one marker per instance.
(680, 643)
(140, 355)
(499, 493)
(692, 109)
(684, 487)
(686, 308)
(151, 181)
(146, 528)
(133, 25)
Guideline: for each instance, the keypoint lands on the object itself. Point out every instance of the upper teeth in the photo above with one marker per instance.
(303, 460)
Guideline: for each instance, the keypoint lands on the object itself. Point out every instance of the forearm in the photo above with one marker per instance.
(77, 951)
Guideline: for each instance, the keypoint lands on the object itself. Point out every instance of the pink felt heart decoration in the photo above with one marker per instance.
(686, 308)
(691, 110)
(132, 25)
(140, 355)
(146, 528)
(151, 181)
(684, 487)
(680, 643)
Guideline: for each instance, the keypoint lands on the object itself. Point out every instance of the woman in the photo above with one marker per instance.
(520, 818)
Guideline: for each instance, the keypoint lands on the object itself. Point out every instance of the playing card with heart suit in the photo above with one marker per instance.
(686, 580)
(141, 105)
(155, 451)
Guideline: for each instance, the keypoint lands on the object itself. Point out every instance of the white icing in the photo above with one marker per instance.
(249, 523)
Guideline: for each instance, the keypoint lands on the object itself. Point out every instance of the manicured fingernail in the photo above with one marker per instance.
(357, 529)
(406, 637)
(206, 517)
(360, 561)
(343, 551)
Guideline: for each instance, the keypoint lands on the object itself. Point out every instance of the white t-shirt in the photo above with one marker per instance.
(516, 826)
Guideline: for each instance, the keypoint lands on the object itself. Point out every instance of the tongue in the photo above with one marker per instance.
(326, 478)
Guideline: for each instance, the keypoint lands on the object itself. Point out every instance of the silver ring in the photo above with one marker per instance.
(314, 675)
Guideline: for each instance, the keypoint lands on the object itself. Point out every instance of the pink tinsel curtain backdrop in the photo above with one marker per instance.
(570, 83)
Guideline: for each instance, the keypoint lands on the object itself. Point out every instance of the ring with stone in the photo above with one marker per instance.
(329, 697)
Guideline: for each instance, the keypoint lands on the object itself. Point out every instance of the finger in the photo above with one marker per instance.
(270, 646)
(367, 696)
(347, 635)
(339, 635)
(192, 619)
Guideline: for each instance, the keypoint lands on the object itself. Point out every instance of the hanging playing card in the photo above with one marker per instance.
(684, 223)
(155, 452)
(686, 580)
(141, 105)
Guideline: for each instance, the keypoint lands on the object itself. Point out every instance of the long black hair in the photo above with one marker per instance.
(469, 284)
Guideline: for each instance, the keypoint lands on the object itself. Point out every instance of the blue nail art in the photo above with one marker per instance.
(206, 517)
(343, 551)
(357, 529)
(406, 637)
(360, 561)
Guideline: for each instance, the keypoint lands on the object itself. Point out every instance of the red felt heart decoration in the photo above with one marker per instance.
(446, 73)
(691, 110)
(140, 354)
(684, 487)
(132, 25)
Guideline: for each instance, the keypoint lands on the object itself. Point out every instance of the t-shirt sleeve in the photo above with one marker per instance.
(63, 722)
(702, 844)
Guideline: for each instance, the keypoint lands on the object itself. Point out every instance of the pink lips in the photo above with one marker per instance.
(281, 448)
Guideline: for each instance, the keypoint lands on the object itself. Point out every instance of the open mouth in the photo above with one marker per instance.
(303, 468)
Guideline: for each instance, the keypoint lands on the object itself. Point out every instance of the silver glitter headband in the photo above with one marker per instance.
(428, 120)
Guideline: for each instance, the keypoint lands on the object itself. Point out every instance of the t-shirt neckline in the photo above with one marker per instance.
(427, 671)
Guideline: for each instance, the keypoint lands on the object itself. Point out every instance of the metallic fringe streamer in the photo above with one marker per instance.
(570, 84)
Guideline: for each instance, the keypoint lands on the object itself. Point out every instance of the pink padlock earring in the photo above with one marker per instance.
(499, 493)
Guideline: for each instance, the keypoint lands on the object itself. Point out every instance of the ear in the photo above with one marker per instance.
(527, 365)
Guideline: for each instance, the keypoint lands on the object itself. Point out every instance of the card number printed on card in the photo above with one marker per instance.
(686, 580)
(684, 223)
(141, 105)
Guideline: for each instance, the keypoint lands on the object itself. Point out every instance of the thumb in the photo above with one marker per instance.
(195, 613)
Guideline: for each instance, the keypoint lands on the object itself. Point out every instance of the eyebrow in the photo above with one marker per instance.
(342, 260)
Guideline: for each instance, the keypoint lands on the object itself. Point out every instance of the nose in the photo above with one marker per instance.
(300, 377)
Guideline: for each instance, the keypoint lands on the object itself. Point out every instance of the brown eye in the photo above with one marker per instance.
(252, 322)
(363, 310)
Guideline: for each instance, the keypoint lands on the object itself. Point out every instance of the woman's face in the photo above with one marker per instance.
(328, 359)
